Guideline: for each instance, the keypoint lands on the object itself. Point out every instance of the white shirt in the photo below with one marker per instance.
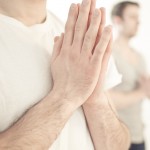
(25, 77)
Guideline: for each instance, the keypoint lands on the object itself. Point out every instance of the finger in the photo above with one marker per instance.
(79, 6)
(70, 25)
(91, 34)
(92, 9)
(104, 66)
(101, 46)
(81, 24)
(57, 47)
(105, 60)
(102, 25)
(56, 38)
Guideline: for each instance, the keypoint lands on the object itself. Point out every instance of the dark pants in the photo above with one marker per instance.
(137, 146)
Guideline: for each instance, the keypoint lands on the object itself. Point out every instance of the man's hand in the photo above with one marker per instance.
(106, 130)
(98, 93)
(76, 62)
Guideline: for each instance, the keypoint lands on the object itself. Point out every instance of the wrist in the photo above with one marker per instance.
(102, 106)
(62, 98)
(99, 100)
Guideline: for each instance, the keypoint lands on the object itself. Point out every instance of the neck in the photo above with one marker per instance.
(122, 40)
(29, 12)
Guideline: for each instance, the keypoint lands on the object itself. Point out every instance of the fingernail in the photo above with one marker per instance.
(85, 2)
(96, 12)
(73, 6)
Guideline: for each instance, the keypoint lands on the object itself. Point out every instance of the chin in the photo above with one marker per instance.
(133, 34)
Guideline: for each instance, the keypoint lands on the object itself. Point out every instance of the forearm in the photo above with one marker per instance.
(39, 127)
(107, 131)
(123, 100)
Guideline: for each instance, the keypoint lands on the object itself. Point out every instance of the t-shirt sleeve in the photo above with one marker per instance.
(113, 78)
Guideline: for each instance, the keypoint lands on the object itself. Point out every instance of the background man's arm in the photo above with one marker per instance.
(122, 100)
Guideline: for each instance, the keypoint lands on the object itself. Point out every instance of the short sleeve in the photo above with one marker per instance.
(113, 78)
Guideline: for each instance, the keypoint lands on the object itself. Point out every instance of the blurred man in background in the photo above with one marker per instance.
(135, 86)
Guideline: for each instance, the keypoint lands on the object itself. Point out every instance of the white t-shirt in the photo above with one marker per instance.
(25, 77)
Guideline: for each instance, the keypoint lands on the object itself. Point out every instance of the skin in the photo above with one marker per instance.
(127, 28)
(129, 23)
(29, 12)
(79, 54)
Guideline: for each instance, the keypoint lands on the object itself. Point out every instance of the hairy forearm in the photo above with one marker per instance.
(107, 131)
(122, 100)
(39, 127)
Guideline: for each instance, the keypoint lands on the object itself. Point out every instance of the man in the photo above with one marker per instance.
(135, 85)
(38, 115)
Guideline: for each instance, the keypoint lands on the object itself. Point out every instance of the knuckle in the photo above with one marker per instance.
(76, 41)
(88, 38)
(95, 19)
(78, 28)
(105, 39)
(73, 56)
(85, 48)
(99, 52)
(83, 10)
(107, 30)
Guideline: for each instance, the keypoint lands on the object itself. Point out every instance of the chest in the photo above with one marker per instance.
(25, 76)
(131, 66)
